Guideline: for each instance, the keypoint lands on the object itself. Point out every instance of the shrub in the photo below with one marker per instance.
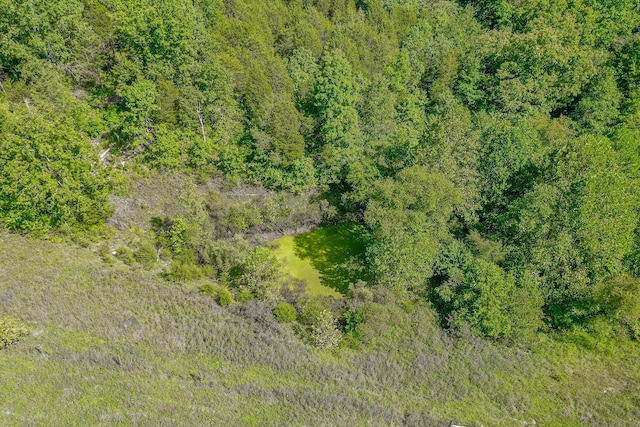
(261, 274)
(619, 300)
(324, 332)
(185, 268)
(224, 297)
(285, 312)
(220, 293)
(125, 255)
(105, 253)
(483, 299)
(175, 239)
(352, 319)
(146, 254)
(11, 331)
(245, 295)
(209, 289)
(350, 340)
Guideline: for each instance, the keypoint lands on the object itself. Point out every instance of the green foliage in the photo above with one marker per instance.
(324, 333)
(510, 155)
(483, 298)
(138, 105)
(11, 331)
(408, 217)
(51, 179)
(577, 231)
(352, 320)
(476, 292)
(105, 253)
(334, 100)
(167, 149)
(303, 69)
(244, 295)
(184, 268)
(125, 255)
(225, 254)
(146, 254)
(501, 131)
(209, 289)
(620, 301)
(224, 297)
(285, 312)
(260, 274)
(176, 238)
(599, 107)
(628, 65)
(221, 294)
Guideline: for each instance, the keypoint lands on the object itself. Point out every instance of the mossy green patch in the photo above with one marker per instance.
(301, 268)
(327, 258)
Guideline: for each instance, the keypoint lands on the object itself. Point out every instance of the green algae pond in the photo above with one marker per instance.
(327, 258)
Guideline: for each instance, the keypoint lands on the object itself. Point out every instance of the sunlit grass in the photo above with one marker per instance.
(121, 346)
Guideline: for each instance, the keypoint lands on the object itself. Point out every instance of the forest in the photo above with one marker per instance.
(394, 184)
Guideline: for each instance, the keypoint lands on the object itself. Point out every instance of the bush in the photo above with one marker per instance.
(245, 295)
(260, 274)
(105, 253)
(619, 300)
(324, 332)
(146, 254)
(220, 293)
(224, 297)
(11, 331)
(350, 340)
(285, 312)
(185, 268)
(209, 289)
(125, 255)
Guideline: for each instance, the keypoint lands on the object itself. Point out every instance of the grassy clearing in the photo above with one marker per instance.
(327, 258)
(119, 346)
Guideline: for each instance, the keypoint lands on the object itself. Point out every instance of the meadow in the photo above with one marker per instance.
(118, 345)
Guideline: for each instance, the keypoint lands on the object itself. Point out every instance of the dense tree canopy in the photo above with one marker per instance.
(436, 124)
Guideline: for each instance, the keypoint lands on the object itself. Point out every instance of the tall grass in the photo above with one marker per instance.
(121, 346)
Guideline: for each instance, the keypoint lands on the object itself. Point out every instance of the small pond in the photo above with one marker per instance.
(327, 258)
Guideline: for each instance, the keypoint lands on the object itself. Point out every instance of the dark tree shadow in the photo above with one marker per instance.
(337, 252)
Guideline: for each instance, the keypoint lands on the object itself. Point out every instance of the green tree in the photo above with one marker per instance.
(137, 108)
(494, 302)
(599, 106)
(510, 155)
(577, 230)
(260, 274)
(451, 147)
(50, 176)
(484, 299)
(408, 216)
(285, 312)
(334, 100)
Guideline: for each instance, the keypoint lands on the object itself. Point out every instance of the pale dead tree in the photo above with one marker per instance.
(201, 120)
(103, 154)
